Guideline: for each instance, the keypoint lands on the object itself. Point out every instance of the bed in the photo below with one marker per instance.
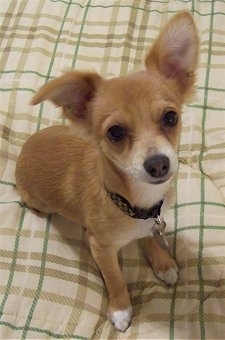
(50, 286)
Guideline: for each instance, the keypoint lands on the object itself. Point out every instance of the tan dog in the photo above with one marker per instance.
(112, 169)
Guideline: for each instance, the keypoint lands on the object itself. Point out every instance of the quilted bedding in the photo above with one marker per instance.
(50, 286)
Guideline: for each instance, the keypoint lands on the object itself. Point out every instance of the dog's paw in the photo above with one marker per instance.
(121, 319)
(169, 276)
(163, 265)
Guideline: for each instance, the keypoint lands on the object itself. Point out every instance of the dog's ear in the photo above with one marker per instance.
(175, 53)
(73, 91)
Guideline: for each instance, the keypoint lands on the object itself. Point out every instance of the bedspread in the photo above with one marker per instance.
(50, 286)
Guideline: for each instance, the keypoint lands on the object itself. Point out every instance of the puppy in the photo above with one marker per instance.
(112, 170)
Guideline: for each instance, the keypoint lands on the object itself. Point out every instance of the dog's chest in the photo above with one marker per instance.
(139, 228)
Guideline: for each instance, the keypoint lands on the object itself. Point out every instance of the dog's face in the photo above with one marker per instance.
(136, 119)
(139, 126)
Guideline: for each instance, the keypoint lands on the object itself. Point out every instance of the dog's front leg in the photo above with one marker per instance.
(120, 310)
(162, 263)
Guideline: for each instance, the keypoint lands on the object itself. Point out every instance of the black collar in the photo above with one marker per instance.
(135, 212)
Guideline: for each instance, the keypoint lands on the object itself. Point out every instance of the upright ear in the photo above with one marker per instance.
(73, 91)
(175, 52)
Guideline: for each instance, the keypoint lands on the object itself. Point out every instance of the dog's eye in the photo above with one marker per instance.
(170, 118)
(116, 133)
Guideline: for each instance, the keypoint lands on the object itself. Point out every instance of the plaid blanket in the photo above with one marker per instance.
(50, 286)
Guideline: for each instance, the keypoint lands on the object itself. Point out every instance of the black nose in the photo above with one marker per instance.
(157, 166)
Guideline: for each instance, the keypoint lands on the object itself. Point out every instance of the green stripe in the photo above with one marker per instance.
(7, 183)
(16, 89)
(80, 34)
(41, 279)
(10, 202)
(202, 209)
(13, 264)
(211, 89)
(109, 6)
(195, 227)
(121, 5)
(181, 205)
(173, 299)
(43, 331)
(141, 8)
(206, 107)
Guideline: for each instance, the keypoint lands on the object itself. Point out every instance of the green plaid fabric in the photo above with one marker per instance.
(50, 286)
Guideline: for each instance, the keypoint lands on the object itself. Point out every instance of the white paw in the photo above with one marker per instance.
(170, 276)
(121, 319)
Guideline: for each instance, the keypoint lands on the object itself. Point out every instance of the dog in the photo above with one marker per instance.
(112, 170)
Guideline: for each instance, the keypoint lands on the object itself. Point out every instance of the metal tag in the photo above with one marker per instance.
(158, 236)
(160, 224)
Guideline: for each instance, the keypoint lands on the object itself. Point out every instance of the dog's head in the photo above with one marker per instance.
(136, 119)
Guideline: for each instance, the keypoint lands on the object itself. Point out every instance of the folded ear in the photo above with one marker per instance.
(73, 91)
(175, 52)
